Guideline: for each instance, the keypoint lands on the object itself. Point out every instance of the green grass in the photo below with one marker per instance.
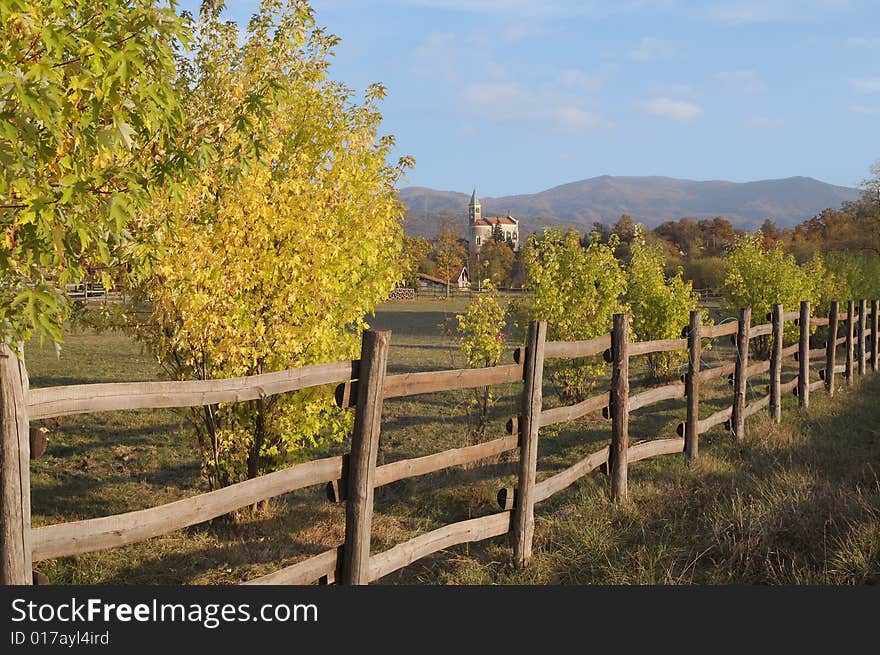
(796, 503)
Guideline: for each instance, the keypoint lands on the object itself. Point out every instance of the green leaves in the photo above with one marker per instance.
(82, 86)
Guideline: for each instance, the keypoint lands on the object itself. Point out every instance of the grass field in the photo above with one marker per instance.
(796, 503)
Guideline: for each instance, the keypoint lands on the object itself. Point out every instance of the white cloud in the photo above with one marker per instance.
(436, 57)
(862, 42)
(523, 30)
(510, 102)
(762, 122)
(677, 110)
(866, 111)
(742, 81)
(651, 49)
(866, 86)
(579, 80)
(739, 12)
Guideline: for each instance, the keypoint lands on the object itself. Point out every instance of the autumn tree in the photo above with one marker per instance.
(449, 254)
(88, 117)
(576, 290)
(495, 263)
(289, 236)
(660, 305)
(481, 336)
(413, 256)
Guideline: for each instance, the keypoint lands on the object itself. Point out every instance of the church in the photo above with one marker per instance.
(481, 228)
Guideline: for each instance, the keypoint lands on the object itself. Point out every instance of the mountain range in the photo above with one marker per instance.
(649, 200)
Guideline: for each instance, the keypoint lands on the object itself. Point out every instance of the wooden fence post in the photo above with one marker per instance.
(362, 461)
(831, 348)
(850, 341)
(875, 337)
(524, 510)
(737, 418)
(863, 306)
(15, 476)
(776, 364)
(803, 387)
(692, 388)
(617, 455)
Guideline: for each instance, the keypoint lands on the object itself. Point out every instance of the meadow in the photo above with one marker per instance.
(797, 502)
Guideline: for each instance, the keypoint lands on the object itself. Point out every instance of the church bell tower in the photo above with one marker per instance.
(474, 210)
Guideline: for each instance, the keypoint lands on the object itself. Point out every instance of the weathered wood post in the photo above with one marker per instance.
(831, 347)
(875, 337)
(737, 418)
(776, 364)
(692, 388)
(15, 472)
(362, 460)
(617, 455)
(523, 522)
(863, 307)
(803, 387)
(850, 341)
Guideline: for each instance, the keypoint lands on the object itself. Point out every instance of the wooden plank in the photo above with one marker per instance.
(572, 412)
(831, 348)
(717, 418)
(410, 468)
(717, 372)
(15, 483)
(850, 340)
(803, 389)
(572, 474)
(860, 345)
(617, 456)
(415, 549)
(524, 512)
(77, 537)
(790, 386)
(791, 316)
(721, 330)
(818, 384)
(654, 447)
(875, 335)
(657, 346)
(411, 384)
(362, 459)
(791, 350)
(737, 420)
(656, 395)
(305, 572)
(818, 321)
(776, 364)
(49, 402)
(574, 349)
(692, 391)
(761, 330)
(756, 406)
(757, 369)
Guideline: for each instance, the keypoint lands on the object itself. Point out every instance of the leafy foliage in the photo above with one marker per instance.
(88, 117)
(449, 253)
(288, 238)
(481, 334)
(661, 306)
(577, 290)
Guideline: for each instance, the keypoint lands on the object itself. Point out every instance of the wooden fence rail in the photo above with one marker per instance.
(364, 385)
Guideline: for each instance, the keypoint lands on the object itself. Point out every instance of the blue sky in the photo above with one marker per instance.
(516, 96)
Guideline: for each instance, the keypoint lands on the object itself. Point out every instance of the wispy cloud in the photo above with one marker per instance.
(866, 86)
(863, 42)
(436, 58)
(762, 122)
(742, 81)
(579, 80)
(511, 102)
(738, 12)
(651, 49)
(677, 110)
(864, 110)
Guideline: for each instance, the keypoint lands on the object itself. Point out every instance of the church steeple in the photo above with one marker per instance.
(474, 210)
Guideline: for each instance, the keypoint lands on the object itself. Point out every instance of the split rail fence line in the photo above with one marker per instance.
(364, 384)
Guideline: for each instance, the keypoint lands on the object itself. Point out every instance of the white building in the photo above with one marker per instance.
(481, 228)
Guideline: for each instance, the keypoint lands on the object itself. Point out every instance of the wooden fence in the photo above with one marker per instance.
(365, 384)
